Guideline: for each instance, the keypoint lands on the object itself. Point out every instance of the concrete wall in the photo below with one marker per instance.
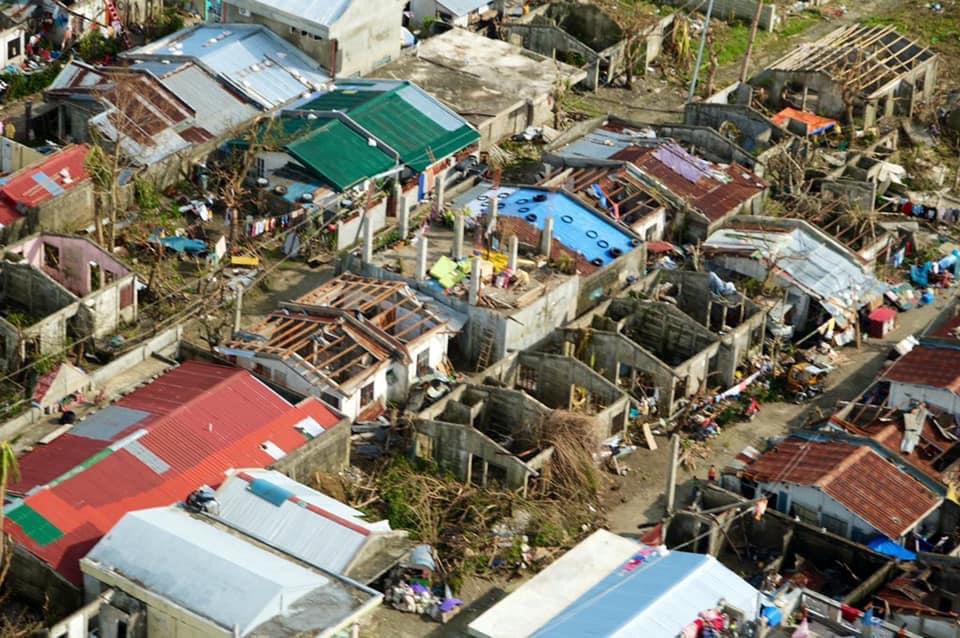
(75, 254)
(350, 231)
(361, 39)
(757, 133)
(73, 210)
(743, 10)
(34, 581)
(329, 452)
(454, 446)
(903, 396)
(14, 156)
(553, 379)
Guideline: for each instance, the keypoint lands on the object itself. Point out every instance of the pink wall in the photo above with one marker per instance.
(76, 254)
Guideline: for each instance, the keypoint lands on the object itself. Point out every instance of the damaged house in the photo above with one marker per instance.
(485, 434)
(501, 430)
(857, 491)
(501, 89)
(583, 35)
(874, 68)
(824, 282)
(699, 176)
(354, 343)
(58, 288)
(928, 374)
(736, 320)
(654, 350)
(550, 258)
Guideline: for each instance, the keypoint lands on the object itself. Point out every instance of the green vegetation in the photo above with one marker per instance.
(731, 42)
(170, 21)
(95, 47)
(20, 85)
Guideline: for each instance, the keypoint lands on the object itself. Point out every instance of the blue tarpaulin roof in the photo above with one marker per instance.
(887, 547)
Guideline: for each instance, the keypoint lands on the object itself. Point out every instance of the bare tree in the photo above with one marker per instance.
(634, 20)
(120, 134)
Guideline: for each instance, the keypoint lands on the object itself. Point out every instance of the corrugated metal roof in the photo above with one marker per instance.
(408, 120)
(926, 365)
(340, 155)
(203, 420)
(655, 599)
(714, 190)
(217, 110)
(301, 521)
(308, 13)
(221, 575)
(258, 63)
(806, 258)
(23, 188)
(611, 586)
(858, 478)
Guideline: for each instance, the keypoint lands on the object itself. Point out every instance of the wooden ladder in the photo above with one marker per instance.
(486, 350)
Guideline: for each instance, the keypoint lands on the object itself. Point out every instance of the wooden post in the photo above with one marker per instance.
(753, 36)
(672, 474)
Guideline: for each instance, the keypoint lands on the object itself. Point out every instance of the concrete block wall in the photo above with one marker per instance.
(329, 452)
(454, 447)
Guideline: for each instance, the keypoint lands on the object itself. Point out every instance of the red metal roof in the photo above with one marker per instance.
(883, 314)
(24, 189)
(529, 234)
(660, 247)
(858, 478)
(715, 198)
(924, 365)
(203, 420)
(8, 214)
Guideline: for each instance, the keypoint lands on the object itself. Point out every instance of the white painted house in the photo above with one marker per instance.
(354, 343)
(851, 490)
(927, 374)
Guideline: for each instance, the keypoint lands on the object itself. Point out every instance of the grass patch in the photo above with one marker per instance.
(731, 42)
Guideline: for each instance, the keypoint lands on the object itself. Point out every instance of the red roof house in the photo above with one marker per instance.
(153, 448)
(855, 477)
(927, 374)
(30, 187)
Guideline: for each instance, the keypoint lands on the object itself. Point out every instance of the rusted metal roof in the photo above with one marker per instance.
(712, 189)
(855, 476)
(925, 365)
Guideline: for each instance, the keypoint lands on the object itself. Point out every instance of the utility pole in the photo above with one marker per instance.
(703, 44)
(753, 36)
(672, 474)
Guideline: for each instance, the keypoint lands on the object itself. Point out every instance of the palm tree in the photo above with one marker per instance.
(9, 469)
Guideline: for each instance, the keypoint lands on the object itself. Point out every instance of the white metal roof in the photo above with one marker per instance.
(308, 13)
(218, 574)
(611, 586)
(296, 519)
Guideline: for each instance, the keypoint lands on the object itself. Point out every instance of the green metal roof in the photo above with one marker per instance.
(39, 529)
(339, 155)
(403, 117)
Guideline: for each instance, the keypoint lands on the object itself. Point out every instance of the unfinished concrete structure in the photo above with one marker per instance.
(501, 89)
(353, 342)
(484, 434)
(551, 259)
(734, 318)
(563, 383)
(583, 35)
(881, 71)
(655, 351)
(54, 288)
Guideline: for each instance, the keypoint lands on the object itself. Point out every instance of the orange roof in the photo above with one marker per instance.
(816, 124)
(855, 476)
